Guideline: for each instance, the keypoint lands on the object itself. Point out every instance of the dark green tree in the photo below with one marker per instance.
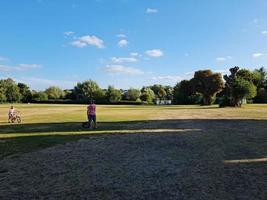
(39, 96)
(208, 84)
(26, 95)
(183, 93)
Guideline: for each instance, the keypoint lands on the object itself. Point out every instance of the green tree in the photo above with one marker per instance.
(147, 95)
(159, 91)
(9, 90)
(261, 96)
(113, 95)
(243, 89)
(54, 92)
(208, 84)
(89, 90)
(39, 96)
(133, 94)
(256, 77)
(2, 96)
(183, 93)
(26, 95)
(169, 92)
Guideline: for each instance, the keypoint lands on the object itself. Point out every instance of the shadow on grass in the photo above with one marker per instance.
(224, 159)
(230, 133)
(132, 125)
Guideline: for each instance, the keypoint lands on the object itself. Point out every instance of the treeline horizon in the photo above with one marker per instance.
(205, 88)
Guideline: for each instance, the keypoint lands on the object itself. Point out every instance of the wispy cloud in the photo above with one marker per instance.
(258, 55)
(121, 35)
(151, 10)
(154, 53)
(264, 32)
(123, 59)
(122, 43)
(222, 59)
(135, 54)
(20, 67)
(88, 40)
(68, 33)
(167, 78)
(120, 69)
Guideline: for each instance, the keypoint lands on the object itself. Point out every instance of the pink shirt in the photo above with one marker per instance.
(91, 109)
(11, 111)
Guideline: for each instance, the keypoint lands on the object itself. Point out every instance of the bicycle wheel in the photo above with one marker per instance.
(18, 119)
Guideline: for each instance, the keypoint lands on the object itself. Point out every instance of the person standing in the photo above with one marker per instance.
(91, 114)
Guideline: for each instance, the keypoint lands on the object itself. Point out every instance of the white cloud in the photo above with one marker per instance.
(222, 59)
(120, 69)
(151, 10)
(258, 55)
(88, 40)
(135, 54)
(154, 53)
(122, 43)
(168, 78)
(20, 67)
(121, 35)
(3, 58)
(264, 32)
(29, 66)
(68, 33)
(123, 59)
(78, 44)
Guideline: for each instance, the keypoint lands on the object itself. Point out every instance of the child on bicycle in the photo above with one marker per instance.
(11, 113)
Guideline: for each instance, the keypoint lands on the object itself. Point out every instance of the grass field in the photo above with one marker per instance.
(165, 152)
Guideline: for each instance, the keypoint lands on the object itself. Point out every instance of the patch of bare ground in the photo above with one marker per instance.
(213, 159)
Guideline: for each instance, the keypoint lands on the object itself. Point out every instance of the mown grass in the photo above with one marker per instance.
(47, 125)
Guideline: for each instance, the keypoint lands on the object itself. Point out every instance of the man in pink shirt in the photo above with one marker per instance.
(91, 114)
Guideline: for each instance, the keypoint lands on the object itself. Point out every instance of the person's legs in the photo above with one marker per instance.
(94, 120)
(91, 119)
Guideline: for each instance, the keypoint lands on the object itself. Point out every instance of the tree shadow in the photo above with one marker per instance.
(224, 159)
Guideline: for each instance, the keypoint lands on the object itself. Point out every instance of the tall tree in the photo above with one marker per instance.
(147, 95)
(54, 92)
(239, 85)
(9, 90)
(113, 95)
(208, 84)
(183, 93)
(26, 95)
(133, 94)
(88, 90)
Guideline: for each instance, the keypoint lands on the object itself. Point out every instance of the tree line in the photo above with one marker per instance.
(205, 88)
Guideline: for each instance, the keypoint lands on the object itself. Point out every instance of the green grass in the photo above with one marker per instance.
(156, 152)
(47, 125)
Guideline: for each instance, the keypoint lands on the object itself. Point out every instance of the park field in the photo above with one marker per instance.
(137, 152)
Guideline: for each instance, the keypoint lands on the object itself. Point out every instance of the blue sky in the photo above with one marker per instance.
(128, 43)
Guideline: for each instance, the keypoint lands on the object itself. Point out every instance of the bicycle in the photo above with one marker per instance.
(15, 118)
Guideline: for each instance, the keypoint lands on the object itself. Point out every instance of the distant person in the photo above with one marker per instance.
(11, 113)
(91, 114)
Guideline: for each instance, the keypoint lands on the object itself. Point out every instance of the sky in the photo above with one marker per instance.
(128, 43)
